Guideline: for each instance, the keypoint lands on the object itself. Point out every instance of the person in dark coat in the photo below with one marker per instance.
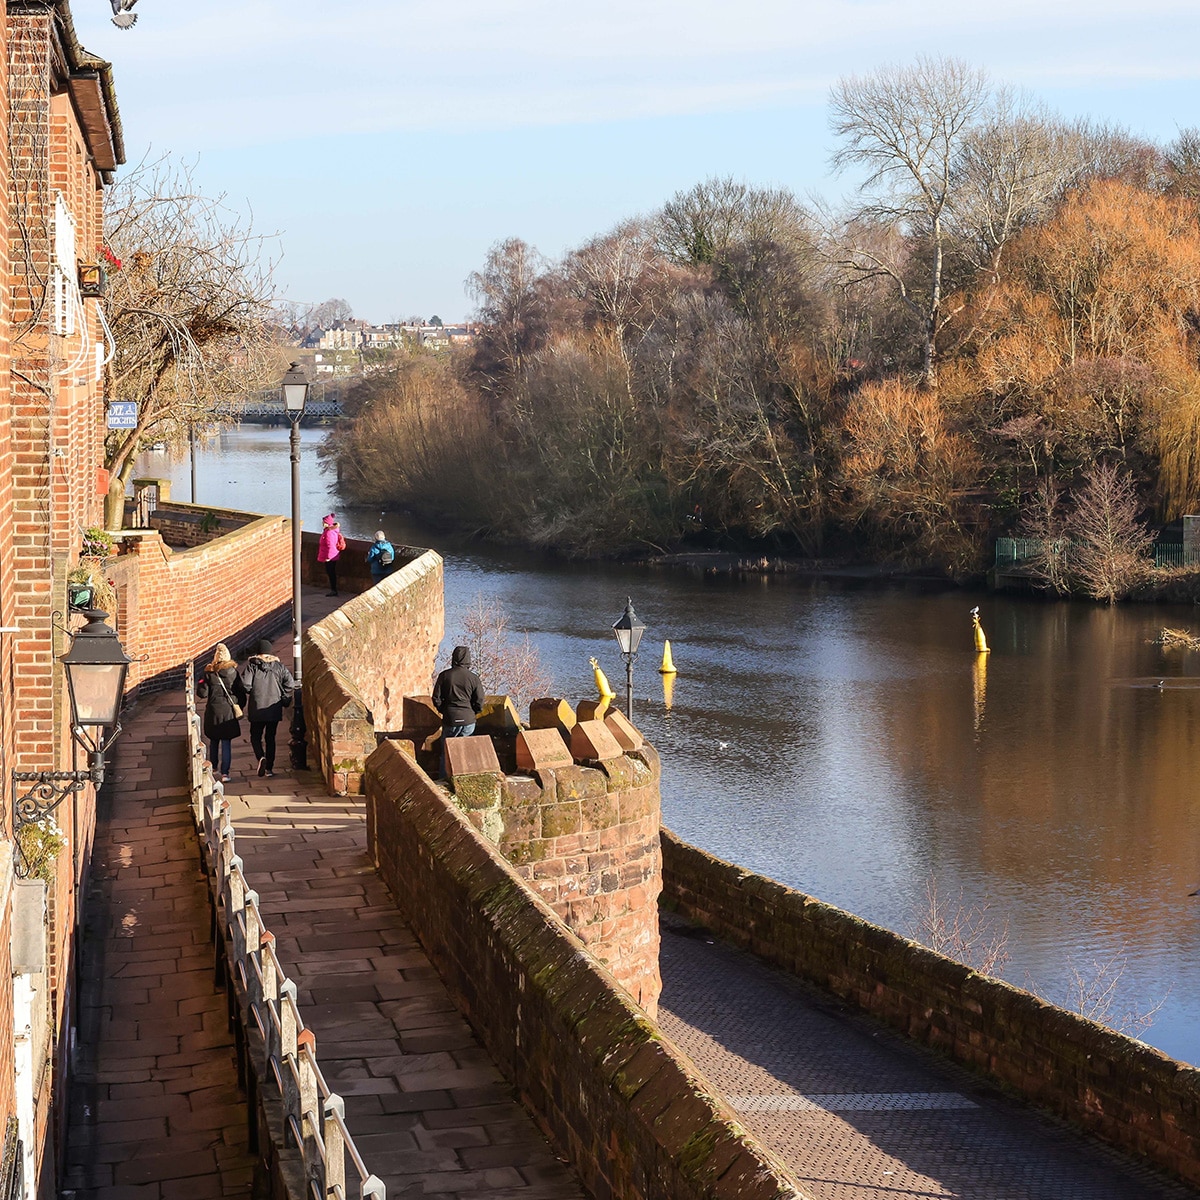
(223, 689)
(269, 686)
(458, 696)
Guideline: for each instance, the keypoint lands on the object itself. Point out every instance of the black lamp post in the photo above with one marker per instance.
(628, 631)
(96, 666)
(294, 390)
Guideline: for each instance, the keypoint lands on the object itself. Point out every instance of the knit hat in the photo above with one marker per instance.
(263, 646)
(329, 520)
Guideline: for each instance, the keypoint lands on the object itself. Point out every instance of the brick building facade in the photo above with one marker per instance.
(60, 141)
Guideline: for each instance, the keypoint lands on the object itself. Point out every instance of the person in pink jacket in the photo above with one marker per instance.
(332, 545)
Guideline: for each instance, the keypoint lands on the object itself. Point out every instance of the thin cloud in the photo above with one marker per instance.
(245, 72)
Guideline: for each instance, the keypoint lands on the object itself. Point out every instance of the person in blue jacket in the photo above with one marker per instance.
(381, 557)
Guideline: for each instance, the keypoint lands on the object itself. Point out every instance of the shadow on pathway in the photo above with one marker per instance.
(156, 1113)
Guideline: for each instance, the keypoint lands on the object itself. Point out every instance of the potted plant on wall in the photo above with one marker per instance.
(98, 543)
(88, 585)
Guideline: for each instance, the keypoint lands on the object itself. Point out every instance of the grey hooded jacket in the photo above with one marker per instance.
(269, 686)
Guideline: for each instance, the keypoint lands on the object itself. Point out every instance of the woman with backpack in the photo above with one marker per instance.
(221, 685)
(381, 556)
(332, 545)
(268, 685)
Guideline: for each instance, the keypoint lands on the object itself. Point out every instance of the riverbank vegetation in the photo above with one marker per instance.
(997, 335)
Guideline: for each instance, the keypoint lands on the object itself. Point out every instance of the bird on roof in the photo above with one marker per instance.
(122, 17)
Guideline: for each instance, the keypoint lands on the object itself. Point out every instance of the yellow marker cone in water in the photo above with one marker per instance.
(981, 646)
(668, 667)
(602, 684)
(668, 682)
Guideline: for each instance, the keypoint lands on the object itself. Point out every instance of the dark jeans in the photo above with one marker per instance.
(262, 742)
(331, 571)
(449, 731)
(224, 751)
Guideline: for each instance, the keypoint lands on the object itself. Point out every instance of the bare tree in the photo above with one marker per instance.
(1094, 991)
(1044, 522)
(1108, 542)
(908, 126)
(1011, 168)
(188, 311)
(507, 664)
(511, 306)
(967, 933)
(706, 223)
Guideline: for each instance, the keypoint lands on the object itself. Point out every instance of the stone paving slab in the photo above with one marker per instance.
(155, 1110)
(429, 1111)
(857, 1113)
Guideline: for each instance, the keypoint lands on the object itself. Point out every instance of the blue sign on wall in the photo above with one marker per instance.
(122, 414)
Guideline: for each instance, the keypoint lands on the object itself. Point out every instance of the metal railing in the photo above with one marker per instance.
(1175, 554)
(314, 1116)
(1011, 552)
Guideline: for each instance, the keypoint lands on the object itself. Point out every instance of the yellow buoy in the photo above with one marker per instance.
(981, 646)
(668, 667)
(668, 682)
(602, 684)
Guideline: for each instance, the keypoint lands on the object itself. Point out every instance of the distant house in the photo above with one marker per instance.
(337, 362)
(344, 335)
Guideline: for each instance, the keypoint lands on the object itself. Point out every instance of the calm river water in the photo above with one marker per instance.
(847, 741)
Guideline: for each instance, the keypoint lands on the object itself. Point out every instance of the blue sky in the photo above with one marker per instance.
(391, 143)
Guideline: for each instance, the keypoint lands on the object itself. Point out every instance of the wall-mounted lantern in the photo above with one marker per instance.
(96, 666)
(93, 281)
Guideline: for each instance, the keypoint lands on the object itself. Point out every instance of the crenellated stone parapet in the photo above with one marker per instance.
(578, 820)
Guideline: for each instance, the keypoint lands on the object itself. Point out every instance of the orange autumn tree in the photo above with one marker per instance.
(1090, 339)
(905, 472)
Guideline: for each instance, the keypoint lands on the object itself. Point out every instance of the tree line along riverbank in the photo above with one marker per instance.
(998, 335)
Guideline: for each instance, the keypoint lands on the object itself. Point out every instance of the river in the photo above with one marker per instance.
(848, 742)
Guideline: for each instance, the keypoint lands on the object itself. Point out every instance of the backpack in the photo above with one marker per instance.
(341, 542)
(386, 554)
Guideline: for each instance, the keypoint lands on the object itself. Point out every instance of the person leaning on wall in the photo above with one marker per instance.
(458, 697)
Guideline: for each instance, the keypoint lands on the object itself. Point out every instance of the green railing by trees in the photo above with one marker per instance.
(1011, 552)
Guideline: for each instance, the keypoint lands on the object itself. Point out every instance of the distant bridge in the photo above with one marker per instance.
(266, 408)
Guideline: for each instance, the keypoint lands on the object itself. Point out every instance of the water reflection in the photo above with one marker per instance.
(851, 742)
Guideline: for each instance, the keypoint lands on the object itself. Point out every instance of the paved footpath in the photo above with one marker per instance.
(853, 1110)
(156, 1113)
(429, 1111)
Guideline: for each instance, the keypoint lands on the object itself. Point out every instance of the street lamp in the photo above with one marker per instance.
(96, 666)
(628, 631)
(294, 390)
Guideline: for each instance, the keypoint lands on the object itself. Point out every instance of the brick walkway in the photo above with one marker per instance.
(428, 1109)
(155, 1109)
(857, 1113)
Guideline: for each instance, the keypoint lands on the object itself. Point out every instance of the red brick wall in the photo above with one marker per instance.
(51, 442)
(611, 1093)
(1113, 1086)
(174, 606)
